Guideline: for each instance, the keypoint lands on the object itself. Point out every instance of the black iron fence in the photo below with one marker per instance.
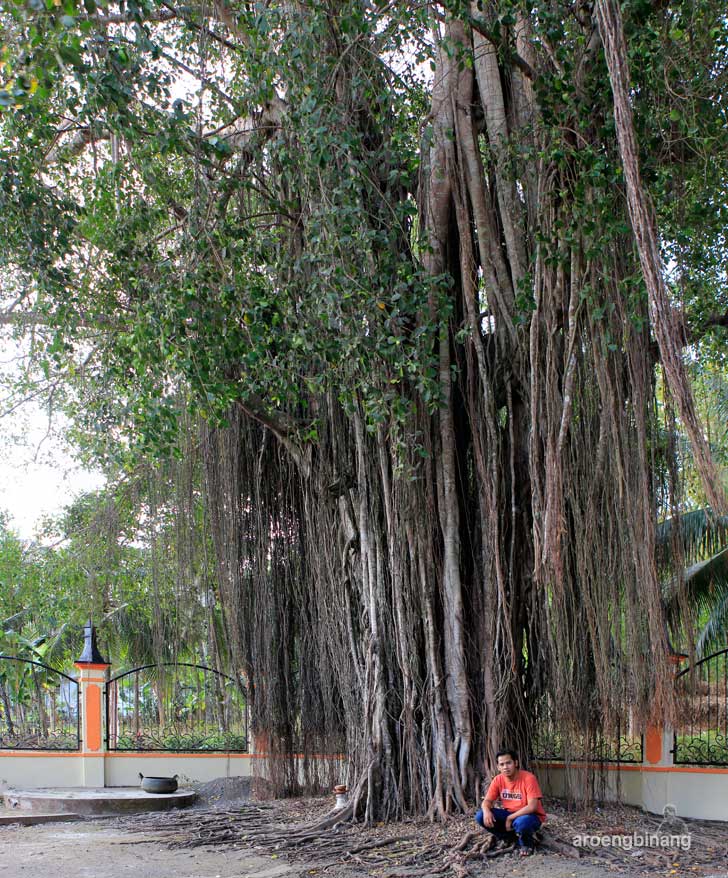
(552, 743)
(701, 728)
(38, 707)
(176, 707)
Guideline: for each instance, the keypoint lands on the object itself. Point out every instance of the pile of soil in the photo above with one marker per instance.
(223, 792)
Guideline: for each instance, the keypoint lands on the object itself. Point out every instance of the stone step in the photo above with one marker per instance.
(101, 800)
(24, 818)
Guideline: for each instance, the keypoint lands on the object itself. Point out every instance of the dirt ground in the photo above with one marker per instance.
(226, 835)
(95, 848)
(99, 849)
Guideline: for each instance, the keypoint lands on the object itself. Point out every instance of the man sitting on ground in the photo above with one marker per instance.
(520, 813)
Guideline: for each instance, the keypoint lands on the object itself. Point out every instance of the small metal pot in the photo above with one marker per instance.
(158, 784)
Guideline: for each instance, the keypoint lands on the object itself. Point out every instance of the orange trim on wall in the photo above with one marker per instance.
(82, 666)
(686, 769)
(165, 754)
(609, 766)
(54, 754)
(157, 754)
(47, 754)
(92, 718)
(647, 769)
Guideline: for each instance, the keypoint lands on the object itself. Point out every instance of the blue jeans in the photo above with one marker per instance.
(523, 827)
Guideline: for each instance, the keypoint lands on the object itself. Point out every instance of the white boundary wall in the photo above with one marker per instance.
(34, 770)
(694, 791)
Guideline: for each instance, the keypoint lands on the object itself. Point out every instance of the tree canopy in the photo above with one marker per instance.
(398, 279)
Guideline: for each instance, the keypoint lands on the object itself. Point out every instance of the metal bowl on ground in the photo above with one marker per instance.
(158, 784)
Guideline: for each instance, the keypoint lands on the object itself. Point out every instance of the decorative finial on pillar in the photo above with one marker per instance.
(90, 654)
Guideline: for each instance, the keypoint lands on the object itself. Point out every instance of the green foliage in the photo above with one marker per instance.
(696, 596)
(194, 251)
(224, 742)
(230, 265)
(121, 559)
(40, 601)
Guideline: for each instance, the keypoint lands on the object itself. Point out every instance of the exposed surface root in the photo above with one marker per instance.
(417, 848)
(550, 842)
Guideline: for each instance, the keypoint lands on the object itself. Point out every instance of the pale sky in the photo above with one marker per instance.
(38, 475)
(37, 482)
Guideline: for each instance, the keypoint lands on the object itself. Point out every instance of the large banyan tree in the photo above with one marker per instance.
(412, 270)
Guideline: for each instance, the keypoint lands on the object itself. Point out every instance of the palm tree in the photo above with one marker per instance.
(692, 552)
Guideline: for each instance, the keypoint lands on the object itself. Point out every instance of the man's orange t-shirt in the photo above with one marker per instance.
(514, 794)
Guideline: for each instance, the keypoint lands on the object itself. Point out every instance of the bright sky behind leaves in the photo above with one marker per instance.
(38, 475)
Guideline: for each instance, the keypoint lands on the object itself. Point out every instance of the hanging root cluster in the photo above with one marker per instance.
(405, 595)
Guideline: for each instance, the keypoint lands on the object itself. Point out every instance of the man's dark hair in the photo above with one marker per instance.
(507, 752)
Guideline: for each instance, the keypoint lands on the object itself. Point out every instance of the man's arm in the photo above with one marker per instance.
(487, 808)
(489, 799)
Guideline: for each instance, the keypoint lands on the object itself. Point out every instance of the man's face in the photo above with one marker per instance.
(507, 766)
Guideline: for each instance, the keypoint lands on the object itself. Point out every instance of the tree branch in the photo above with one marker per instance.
(120, 18)
(716, 320)
(82, 136)
(704, 326)
(283, 426)
(477, 24)
(33, 318)
(644, 225)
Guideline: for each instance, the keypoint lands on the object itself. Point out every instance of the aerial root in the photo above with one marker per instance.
(467, 839)
(332, 840)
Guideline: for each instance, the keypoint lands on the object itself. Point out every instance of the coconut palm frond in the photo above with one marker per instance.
(143, 639)
(62, 641)
(703, 586)
(719, 387)
(714, 634)
(12, 621)
(699, 534)
(132, 627)
(722, 408)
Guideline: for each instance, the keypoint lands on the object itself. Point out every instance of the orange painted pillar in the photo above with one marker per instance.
(657, 779)
(659, 738)
(92, 678)
(654, 740)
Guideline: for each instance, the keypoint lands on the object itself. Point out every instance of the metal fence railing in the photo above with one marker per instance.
(176, 707)
(701, 728)
(552, 743)
(39, 707)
